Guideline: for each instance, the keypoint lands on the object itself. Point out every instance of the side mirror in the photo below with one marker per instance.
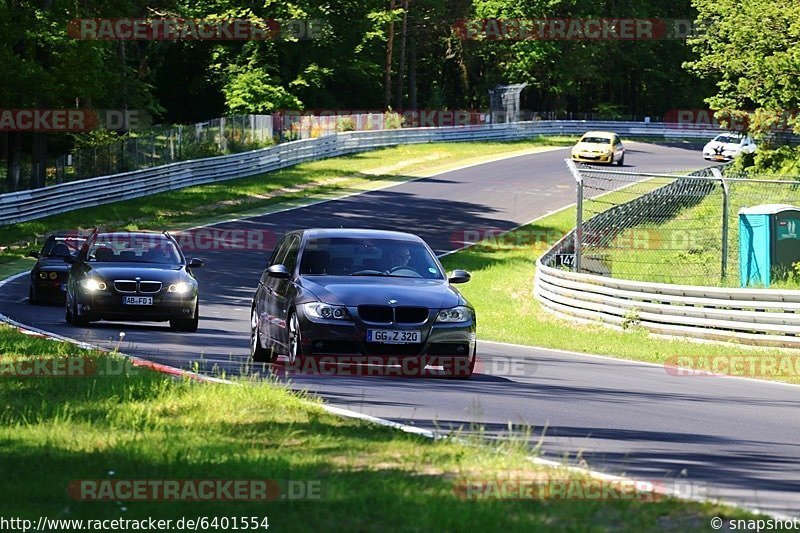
(459, 276)
(278, 272)
(35, 255)
(195, 263)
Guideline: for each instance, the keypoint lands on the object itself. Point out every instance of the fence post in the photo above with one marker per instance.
(579, 212)
(725, 220)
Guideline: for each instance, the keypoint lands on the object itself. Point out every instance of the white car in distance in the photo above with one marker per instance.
(726, 146)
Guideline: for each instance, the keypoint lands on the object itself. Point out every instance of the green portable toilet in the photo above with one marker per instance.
(769, 243)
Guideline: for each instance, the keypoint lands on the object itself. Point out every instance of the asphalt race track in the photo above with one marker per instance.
(730, 438)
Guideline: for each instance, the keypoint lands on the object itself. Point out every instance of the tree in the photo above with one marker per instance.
(751, 50)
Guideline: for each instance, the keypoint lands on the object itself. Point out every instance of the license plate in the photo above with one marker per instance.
(719, 157)
(390, 336)
(137, 300)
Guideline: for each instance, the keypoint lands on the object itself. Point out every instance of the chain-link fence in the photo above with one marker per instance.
(678, 227)
(163, 145)
(168, 144)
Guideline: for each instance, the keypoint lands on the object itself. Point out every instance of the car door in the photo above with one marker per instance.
(283, 292)
(263, 299)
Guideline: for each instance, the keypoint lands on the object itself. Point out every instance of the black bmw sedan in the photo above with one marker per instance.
(132, 276)
(338, 293)
(49, 274)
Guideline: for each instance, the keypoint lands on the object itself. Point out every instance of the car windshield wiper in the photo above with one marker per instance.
(380, 274)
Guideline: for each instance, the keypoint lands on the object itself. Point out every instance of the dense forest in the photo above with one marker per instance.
(403, 54)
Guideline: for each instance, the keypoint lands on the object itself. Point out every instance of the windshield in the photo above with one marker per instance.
(728, 139)
(62, 246)
(343, 256)
(133, 248)
(596, 140)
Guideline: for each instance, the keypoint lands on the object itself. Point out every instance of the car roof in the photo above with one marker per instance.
(131, 233)
(606, 134)
(68, 235)
(357, 233)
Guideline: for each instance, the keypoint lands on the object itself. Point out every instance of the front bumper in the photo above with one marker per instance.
(724, 156)
(332, 338)
(107, 305)
(592, 158)
(47, 288)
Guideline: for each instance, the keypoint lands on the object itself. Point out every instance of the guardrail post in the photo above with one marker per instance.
(578, 212)
(725, 220)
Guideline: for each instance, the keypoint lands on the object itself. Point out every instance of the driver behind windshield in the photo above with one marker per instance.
(399, 258)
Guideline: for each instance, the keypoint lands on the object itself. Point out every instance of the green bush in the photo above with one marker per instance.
(346, 124)
(392, 120)
(236, 146)
(199, 150)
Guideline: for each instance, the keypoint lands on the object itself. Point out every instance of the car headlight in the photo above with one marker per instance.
(93, 285)
(325, 311)
(455, 314)
(42, 275)
(180, 288)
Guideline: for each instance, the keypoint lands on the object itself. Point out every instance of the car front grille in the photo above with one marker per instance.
(384, 314)
(149, 286)
(411, 315)
(379, 314)
(125, 286)
(131, 286)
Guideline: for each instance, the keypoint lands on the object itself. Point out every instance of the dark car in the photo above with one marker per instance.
(49, 274)
(350, 292)
(133, 276)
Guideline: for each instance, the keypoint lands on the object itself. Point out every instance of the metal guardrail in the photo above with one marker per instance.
(748, 316)
(37, 203)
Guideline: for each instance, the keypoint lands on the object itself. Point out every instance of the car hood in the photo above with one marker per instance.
(52, 264)
(152, 272)
(368, 290)
(589, 147)
(713, 145)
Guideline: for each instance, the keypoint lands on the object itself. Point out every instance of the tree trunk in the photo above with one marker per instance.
(38, 160)
(412, 71)
(387, 74)
(401, 69)
(14, 160)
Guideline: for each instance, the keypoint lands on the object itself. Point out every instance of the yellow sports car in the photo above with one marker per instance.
(599, 147)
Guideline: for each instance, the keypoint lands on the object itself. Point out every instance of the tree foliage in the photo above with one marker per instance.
(752, 52)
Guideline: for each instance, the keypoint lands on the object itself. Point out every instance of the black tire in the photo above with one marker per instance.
(68, 313)
(188, 325)
(621, 160)
(78, 320)
(33, 298)
(295, 344)
(258, 352)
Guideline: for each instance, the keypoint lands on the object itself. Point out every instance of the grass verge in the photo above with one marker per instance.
(134, 424)
(501, 289)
